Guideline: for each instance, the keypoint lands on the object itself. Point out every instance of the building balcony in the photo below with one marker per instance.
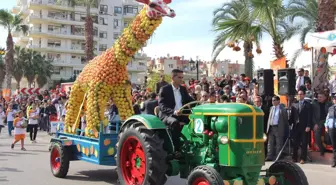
(136, 68)
(59, 5)
(66, 63)
(59, 34)
(53, 48)
(43, 19)
(129, 16)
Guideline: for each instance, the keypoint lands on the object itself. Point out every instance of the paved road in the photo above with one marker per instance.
(32, 168)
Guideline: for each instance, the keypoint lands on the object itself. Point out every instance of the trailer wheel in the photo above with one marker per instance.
(59, 160)
(293, 174)
(141, 158)
(205, 175)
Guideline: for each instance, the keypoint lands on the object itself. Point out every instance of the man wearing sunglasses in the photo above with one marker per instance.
(171, 98)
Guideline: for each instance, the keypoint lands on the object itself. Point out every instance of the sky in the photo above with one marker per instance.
(190, 34)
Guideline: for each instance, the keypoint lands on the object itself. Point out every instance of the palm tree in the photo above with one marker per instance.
(271, 14)
(307, 10)
(33, 58)
(19, 60)
(11, 23)
(2, 72)
(89, 44)
(233, 21)
(44, 71)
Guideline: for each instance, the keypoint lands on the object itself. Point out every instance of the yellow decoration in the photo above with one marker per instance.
(78, 148)
(96, 153)
(110, 151)
(261, 182)
(83, 149)
(238, 182)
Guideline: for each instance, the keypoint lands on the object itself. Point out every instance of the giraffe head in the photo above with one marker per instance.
(158, 8)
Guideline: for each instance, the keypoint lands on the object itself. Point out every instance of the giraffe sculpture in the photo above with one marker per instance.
(106, 76)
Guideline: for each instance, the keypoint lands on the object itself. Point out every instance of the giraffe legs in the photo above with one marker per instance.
(121, 96)
(73, 107)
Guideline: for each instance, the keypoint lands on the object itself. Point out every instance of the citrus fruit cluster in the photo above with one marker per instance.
(106, 77)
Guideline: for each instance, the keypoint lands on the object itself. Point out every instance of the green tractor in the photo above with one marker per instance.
(222, 145)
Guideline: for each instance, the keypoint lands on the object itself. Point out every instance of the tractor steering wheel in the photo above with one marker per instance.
(187, 107)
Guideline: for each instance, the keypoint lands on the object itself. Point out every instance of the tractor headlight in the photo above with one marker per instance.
(265, 137)
(224, 140)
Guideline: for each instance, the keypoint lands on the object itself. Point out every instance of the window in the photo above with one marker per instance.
(77, 72)
(103, 21)
(117, 10)
(126, 24)
(54, 43)
(170, 65)
(57, 70)
(103, 9)
(102, 47)
(130, 9)
(103, 34)
(73, 56)
(115, 35)
(117, 23)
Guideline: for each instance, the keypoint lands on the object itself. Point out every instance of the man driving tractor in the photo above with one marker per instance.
(171, 98)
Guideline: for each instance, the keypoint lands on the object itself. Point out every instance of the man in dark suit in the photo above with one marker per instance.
(160, 84)
(171, 98)
(301, 118)
(150, 104)
(276, 125)
(301, 79)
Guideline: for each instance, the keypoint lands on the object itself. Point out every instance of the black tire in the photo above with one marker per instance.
(292, 172)
(62, 170)
(152, 147)
(205, 173)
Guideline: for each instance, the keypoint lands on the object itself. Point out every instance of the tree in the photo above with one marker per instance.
(154, 78)
(271, 14)
(306, 10)
(89, 44)
(2, 72)
(234, 23)
(11, 23)
(19, 60)
(44, 71)
(33, 58)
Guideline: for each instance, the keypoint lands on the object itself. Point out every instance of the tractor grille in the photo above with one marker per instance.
(244, 128)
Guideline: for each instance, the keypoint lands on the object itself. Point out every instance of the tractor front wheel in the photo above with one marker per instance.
(59, 160)
(205, 175)
(293, 174)
(141, 159)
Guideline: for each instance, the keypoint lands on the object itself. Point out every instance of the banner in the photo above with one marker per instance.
(276, 65)
(321, 39)
(6, 93)
(56, 126)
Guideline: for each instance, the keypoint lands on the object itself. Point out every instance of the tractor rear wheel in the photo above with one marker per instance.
(293, 174)
(59, 160)
(205, 175)
(141, 159)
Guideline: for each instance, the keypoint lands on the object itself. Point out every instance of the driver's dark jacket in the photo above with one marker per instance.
(167, 100)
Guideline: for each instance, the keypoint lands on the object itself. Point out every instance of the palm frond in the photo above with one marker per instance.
(296, 55)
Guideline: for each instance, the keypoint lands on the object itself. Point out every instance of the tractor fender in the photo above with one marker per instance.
(149, 121)
(152, 122)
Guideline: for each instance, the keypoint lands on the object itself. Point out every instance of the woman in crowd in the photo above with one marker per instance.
(10, 118)
(33, 116)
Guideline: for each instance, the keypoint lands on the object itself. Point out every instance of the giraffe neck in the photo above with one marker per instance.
(134, 37)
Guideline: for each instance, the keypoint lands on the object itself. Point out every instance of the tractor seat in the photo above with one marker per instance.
(156, 111)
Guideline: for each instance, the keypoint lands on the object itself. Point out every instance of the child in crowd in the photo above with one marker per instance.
(19, 130)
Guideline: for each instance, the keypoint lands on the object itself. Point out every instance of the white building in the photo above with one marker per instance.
(57, 31)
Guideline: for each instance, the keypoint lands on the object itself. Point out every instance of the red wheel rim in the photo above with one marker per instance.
(55, 159)
(200, 181)
(133, 161)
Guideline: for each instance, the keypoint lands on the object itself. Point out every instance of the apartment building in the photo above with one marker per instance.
(57, 31)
